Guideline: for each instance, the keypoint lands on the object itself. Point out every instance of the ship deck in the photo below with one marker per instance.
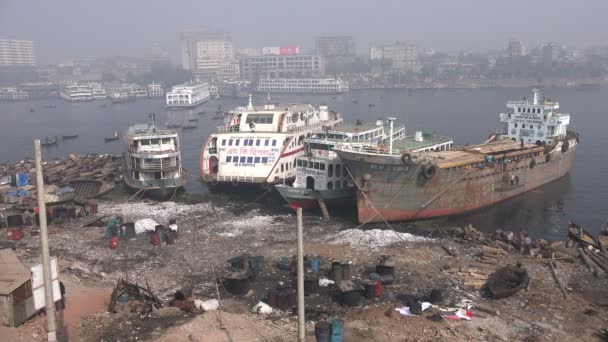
(477, 153)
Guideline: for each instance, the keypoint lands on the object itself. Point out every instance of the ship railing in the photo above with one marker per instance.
(363, 149)
(236, 178)
(155, 166)
(228, 129)
(152, 153)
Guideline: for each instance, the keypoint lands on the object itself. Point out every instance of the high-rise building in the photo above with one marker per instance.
(402, 57)
(515, 48)
(17, 53)
(335, 46)
(281, 66)
(202, 49)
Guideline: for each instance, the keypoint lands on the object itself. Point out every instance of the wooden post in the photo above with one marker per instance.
(51, 319)
(301, 323)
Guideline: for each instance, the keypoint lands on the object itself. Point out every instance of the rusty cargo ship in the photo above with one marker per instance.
(535, 148)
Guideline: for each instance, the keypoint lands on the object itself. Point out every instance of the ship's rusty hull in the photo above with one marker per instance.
(393, 191)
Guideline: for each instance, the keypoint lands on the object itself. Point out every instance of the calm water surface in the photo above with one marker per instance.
(467, 115)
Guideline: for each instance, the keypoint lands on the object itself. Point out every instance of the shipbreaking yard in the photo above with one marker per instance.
(216, 234)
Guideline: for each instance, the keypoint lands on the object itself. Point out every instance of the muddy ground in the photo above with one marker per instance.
(212, 233)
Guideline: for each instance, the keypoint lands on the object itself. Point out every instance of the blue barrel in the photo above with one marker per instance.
(314, 264)
(322, 331)
(337, 330)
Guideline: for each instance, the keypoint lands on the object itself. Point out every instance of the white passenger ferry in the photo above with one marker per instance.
(188, 95)
(259, 145)
(321, 175)
(77, 93)
(152, 164)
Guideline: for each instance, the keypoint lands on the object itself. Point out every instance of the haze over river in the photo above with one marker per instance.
(469, 116)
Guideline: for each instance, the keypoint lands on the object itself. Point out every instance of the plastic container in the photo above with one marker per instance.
(336, 272)
(378, 289)
(323, 332)
(14, 234)
(114, 242)
(314, 264)
(337, 330)
(346, 271)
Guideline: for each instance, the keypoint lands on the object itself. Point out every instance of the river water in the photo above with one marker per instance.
(469, 116)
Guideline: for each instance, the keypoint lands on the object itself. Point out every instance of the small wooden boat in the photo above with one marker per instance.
(49, 141)
(508, 280)
(113, 137)
(32, 110)
(579, 234)
(193, 120)
(66, 137)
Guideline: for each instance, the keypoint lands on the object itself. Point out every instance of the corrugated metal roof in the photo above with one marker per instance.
(12, 272)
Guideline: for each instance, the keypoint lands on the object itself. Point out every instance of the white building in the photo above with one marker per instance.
(203, 49)
(17, 53)
(403, 57)
(302, 85)
(188, 95)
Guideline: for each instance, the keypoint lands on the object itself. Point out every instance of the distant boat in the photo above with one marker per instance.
(32, 110)
(113, 137)
(372, 105)
(189, 126)
(173, 125)
(355, 100)
(66, 137)
(193, 120)
(103, 105)
(219, 110)
(202, 112)
(49, 141)
(50, 106)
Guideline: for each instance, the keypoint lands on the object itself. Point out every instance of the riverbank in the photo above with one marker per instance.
(210, 235)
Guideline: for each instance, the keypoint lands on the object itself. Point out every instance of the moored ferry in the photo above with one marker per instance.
(152, 164)
(322, 176)
(258, 145)
(77, 93)
(535, 148)
(187, 95)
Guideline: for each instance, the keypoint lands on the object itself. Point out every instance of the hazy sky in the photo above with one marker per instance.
(63, 29)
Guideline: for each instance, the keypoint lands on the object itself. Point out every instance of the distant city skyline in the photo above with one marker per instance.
(71, 29)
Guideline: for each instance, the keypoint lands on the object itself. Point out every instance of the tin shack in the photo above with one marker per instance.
(16, 300)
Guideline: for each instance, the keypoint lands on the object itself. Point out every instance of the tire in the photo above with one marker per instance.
(548, 157)
(406, 158)
(565, 146)
(429, 171)
(532, 163)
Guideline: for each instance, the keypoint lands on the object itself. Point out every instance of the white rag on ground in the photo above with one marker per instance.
(262, 309)
(145, 225)
(207, 305)
(406, 309)
(324, 282)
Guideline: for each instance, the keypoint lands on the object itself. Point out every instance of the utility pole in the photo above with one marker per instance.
(301, 322)
(51, 320)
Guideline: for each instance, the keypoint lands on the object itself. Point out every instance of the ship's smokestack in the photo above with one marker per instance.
(537, 96)
(418, 136)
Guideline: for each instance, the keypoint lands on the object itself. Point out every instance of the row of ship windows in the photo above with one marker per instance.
(321, 166)
(248, 142)
(249, 160)
(531, 126)
(523, 110)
